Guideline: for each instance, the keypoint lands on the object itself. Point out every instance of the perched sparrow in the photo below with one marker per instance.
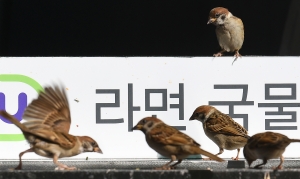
(265, 146)
(221, 129)
(169, 142)
(47, 128)
(229, 30)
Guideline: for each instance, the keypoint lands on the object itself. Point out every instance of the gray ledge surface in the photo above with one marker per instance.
(144, 169)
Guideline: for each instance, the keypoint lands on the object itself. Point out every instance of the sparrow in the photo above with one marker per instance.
(46, 129)
(221, 129)
(169, 142)
(265, 146)
(229, 30)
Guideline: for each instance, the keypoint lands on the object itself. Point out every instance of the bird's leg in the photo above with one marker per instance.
(19, 167)
(178, 162)
(167, 165)
(280, 164)
(236, 55)
(267, 175)
(219, 53)
(221, 150)
(237, 156)
(259, 165)
(61, 166)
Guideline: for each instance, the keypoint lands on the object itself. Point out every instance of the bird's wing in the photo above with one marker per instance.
(225, 125)
(168, 135)
(42, 132)
(64, 140)
(268, 139)
(49, 111)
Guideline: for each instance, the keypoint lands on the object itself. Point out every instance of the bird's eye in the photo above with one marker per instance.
(150, 124)
(217, 15)
(144, 121)
(93, 143)
(200, 115)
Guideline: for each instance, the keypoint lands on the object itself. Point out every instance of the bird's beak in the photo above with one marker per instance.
(211, 20)
(98, 150)
(137, 127)
(192, 118)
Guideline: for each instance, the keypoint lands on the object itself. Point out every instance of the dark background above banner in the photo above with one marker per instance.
(142, 28)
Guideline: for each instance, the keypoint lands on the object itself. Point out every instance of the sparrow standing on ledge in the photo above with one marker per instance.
(47, 127)
(170, 142)
(229, 30)
(221, 129)
(265, 146)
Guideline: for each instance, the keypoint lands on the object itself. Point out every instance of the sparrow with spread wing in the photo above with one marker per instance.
(46, 128)
(169, 142)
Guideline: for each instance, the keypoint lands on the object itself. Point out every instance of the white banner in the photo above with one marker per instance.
(109, 95)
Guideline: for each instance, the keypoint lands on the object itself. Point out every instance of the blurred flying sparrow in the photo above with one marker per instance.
(46, 128)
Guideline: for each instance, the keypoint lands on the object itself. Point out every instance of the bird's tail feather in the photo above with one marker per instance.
(295, 140)
(13, 120)
(208, 154)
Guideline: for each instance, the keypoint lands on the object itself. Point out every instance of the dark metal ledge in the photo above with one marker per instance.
(143, 169)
